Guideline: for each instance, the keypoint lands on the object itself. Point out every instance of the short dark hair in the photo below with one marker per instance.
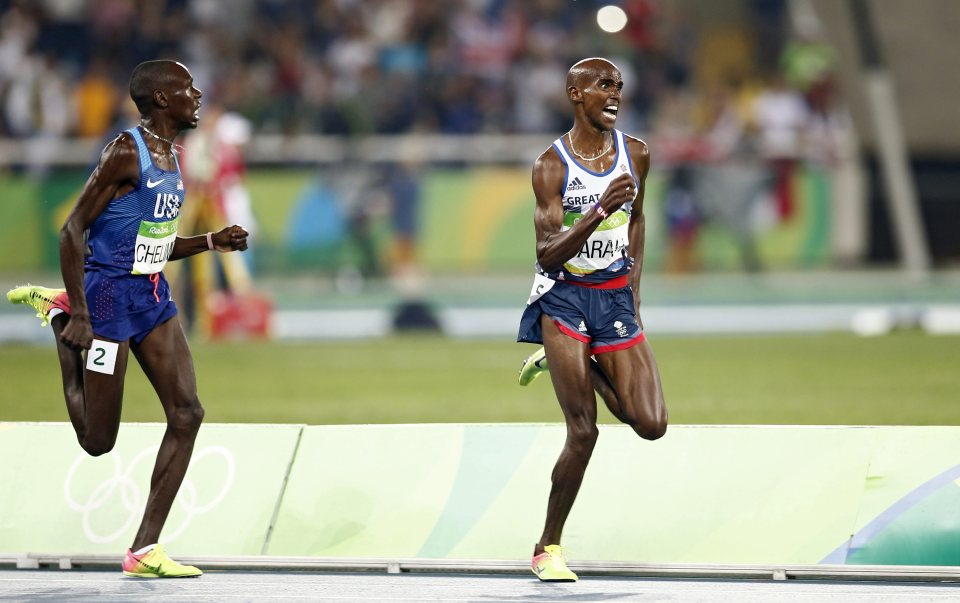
(148, 77)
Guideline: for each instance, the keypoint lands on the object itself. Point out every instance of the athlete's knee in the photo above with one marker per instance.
(187, 418)
(651, 427)
(582, 434)
(97, 444)
(653, 430)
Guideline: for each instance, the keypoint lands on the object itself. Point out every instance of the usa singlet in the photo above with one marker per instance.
(128, 246)
(603, 256)
(136, 232)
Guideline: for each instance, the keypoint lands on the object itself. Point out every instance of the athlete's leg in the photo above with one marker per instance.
(603, 387)
(635, 395)
(570, 372)
(93, 399)
(168, 364)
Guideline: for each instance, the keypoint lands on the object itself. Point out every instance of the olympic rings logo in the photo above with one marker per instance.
(121, 484)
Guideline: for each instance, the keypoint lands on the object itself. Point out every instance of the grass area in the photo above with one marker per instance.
(906, 378)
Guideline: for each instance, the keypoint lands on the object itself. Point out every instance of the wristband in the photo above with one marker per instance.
(599, 209)
(210, 241)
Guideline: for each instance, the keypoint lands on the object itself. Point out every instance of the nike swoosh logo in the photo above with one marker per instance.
(151, 184)
(152, 568)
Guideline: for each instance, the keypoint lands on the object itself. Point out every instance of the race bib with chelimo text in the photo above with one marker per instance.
(155, 242)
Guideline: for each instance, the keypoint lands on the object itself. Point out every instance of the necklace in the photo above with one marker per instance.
(605, 150)
(175, 148)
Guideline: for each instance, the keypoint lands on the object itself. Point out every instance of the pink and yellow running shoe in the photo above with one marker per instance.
(156, 564)
(47, 302)
(551, 565)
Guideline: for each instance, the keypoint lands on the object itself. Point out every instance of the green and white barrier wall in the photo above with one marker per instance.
(710, 495)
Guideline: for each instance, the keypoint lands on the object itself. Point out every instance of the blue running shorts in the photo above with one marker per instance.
(603, 318)
(127, 306)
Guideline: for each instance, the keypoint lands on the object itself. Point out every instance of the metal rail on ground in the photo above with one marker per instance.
(900, 573)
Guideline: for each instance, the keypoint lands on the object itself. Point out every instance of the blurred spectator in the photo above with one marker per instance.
(781, 116)
(214, 170)
(38, 108)
(96, 97)
(539, 104)
(18, 30)
(683, 216)
(402, 186)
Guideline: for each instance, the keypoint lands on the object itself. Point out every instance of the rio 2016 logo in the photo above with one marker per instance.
(123, 493)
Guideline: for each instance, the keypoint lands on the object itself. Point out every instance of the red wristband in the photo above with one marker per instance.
(599, 209)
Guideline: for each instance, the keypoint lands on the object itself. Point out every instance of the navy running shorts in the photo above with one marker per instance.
(603, 318)
(127, 306)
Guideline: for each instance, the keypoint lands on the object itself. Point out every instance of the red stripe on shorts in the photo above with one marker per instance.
(570, 332)
(616, 283)
(619, 346)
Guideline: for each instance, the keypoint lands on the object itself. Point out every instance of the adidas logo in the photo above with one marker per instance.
(576, 185)
(582, 328)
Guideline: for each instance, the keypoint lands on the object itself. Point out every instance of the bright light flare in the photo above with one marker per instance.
(611, 19)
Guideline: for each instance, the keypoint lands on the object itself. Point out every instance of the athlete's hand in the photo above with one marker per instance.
(621, 190)
(231, 238)
(78, 334)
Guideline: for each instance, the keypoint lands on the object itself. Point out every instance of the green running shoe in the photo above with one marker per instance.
(551, 566)
(533, 366)
(156, 564)
(41, 299)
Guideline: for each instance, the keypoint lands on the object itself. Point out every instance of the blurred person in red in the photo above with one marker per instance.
(781, 117)
(216, 292)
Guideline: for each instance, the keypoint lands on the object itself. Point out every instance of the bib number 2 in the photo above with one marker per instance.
(102, 357)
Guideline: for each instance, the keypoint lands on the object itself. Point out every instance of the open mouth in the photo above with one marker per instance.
(611, 111)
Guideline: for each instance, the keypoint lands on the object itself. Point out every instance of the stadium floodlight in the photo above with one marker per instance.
(611, 19)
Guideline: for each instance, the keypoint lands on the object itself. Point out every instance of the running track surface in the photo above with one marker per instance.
(77, 585)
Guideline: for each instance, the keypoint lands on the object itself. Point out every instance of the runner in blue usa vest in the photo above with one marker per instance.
(113, 247)
(585, 305)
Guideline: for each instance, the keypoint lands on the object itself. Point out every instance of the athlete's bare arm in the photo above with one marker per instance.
(640, 160)
(553, 246)
(115, 175)
(231, 238)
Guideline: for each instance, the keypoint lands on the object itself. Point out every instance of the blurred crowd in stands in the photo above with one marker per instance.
(371, 66)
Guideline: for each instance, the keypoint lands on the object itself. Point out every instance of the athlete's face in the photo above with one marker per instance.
(600, 94)
(184, 98)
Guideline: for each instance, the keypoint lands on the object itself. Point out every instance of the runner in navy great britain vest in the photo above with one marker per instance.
(604, 256)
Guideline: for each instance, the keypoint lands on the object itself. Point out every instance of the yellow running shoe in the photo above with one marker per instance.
(533, 366)
(41, 299)
(551, 566)
(156, 564)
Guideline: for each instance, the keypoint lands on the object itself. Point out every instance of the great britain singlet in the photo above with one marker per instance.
(135, 234)
(603, 256)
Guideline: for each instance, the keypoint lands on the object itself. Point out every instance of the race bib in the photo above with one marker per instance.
(102, 357)
(541, 285)
(605, 245)
(155, 242)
